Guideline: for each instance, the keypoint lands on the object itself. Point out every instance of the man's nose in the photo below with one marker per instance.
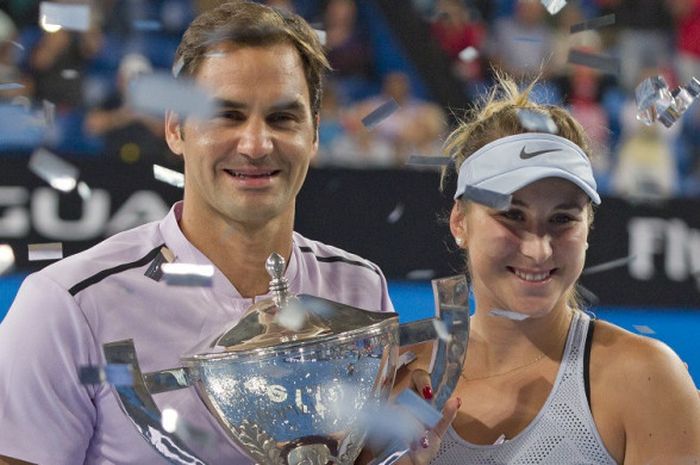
(538, 247)
(255, 140)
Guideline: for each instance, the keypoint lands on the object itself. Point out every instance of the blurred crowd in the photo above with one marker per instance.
(83, 78)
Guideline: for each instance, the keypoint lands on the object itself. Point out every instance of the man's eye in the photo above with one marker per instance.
(513, 215)
(281, 118)
(562, 219)
(231, 115)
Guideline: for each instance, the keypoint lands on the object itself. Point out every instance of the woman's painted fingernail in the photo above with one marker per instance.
(427, 393)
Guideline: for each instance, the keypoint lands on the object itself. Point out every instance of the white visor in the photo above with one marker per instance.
(511, 163)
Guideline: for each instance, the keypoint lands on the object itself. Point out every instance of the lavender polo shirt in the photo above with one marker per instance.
(63, 314)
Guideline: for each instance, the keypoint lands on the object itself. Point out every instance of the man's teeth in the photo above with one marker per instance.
(531, 276)
(243, 175)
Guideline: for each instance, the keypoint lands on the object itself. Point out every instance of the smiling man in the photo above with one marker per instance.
(244, 167)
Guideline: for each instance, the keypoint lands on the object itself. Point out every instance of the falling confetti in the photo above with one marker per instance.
(187, 274)
(46, 251)
(382, 112)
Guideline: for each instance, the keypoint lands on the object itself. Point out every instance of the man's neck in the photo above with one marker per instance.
(240, 251)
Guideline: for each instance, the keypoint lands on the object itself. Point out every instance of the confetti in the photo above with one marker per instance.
(69, 74)
(536, 121)
(609, 265)
(84, 190)
(115, 374)
(321, 36)
(155, 270)
(146, 25)
(187, 274)
(396, 213)
(17, 44)
(60, 174)
(382, 112)
(168, 176)
(501, 439)
(418, 407)
(55, 16)
(177, 67)
(7, 258)
(589, 298)
(428, 160)
(420, 275)
(509, 314)
(153, 94)
(469, 54)
(491, 199)
(441, 330)
(406, 359)
(643, 329)
(45, 251)
(610, 65)
(652, 97)
(595, 23)
(553, 6)
(49, 113)
(11, 86)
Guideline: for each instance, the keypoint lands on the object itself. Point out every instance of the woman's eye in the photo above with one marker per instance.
(514, 215)
(562, 219)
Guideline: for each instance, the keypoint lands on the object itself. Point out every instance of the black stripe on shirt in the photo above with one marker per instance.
(99, 276)
(587, 361)
(336, 258)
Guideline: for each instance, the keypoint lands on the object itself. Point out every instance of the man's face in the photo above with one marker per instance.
(247, 164)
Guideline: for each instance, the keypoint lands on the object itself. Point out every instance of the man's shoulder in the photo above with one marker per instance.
(324, 253)
(125, 250)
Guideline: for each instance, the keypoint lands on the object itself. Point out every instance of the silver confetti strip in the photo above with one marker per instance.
(84, 190)
(60, 174)
(396, 213)
(11, 86)
(45, 251)
(536, 121)
(168, 176)
(322, 36)
(469, 54)
(588, 296)
(643, 329)
(612, 264)
(652, 97)
(153, 94)
(155, 270)
(54, 16)
(428, 160)
(187, 274)
(418, 407)
(420, 275)
(17, 44)
(508, 314)
(177, 67)
(553, 6)
(382, 112)
(7, 258)
(595, 23)
(114, 374)
(491, 199)
(607, 64)
(146, 25)
(49, 113)
(406, 359)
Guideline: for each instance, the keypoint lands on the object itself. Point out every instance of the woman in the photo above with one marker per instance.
(545, 384)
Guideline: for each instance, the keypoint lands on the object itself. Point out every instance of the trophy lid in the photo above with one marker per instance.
(288, 320)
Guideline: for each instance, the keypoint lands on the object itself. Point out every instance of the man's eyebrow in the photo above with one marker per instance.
(287, 105)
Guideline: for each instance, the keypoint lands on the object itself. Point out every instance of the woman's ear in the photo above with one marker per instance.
(173, 132)
(458, 224)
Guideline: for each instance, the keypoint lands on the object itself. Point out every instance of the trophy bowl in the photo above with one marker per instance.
(293, 380)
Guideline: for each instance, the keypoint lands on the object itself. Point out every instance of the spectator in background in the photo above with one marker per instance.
(521, 45)
(127, 134)
(348, 51)
(9, 71)
(686, 15)
(646, 168)
(415, 128)
(644, 35)
(58, 61)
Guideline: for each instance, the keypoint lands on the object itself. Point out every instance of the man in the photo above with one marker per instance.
(244, 168)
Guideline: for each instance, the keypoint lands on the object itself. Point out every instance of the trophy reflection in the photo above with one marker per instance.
(290, 381)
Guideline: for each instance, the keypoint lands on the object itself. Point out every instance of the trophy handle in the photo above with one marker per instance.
(138, 404)
(451, 310)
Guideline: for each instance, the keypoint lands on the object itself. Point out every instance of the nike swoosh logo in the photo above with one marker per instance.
(526, 155)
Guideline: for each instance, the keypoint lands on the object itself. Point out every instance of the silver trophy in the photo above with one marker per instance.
(273, 379)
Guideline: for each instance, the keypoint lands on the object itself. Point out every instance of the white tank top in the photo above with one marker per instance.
(562, 433)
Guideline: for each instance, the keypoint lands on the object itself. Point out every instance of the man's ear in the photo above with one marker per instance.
(173, 132)
(458, 224)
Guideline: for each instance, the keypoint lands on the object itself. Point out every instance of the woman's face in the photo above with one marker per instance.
(527, 258)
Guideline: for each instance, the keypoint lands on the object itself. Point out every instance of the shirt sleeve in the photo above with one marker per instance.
(46, 415)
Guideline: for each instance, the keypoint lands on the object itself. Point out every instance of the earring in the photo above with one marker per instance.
(586, 246)
(459, 241)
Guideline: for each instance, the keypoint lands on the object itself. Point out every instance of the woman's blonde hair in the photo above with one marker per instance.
(496, 116)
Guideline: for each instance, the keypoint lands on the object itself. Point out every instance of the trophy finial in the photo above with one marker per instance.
(278, 284)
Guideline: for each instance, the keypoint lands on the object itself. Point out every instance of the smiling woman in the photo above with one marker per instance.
(542, 382)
